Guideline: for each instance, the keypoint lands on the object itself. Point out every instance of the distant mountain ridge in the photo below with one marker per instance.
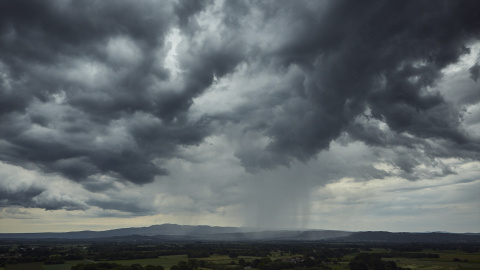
(174, 232)
(163, 229)
(404, 237)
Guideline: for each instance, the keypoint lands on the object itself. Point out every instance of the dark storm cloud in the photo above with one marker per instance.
(86, 91)
(475, 72)
(37, 197)
(47, 34)
(54, 117)
(20, 197)
(375, 55)
(186, 10)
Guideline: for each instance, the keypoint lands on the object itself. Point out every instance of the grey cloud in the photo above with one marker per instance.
(186, 10)
(69, 105)
(49, 201)
(85, 92)
(14, 212)
(376, 55)
(406, 152)
(475, 72)
(21, 197)
(129, 207)
(48, 34)
(38, 197)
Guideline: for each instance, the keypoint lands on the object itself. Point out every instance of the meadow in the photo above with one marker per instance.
(445, 262)
(320, 257)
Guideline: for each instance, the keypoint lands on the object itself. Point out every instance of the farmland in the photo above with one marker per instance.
(238, 255)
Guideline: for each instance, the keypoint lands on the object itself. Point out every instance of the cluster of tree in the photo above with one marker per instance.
(419, 247)
(114, 266)
(46, 254)
(57, 254)
(372, 261)
(128, 251)
(408, 255)
(230, 249)
(198, 254)
(55, 259)
(293, 263)
(192, 264)
(306, 254)
(125, 255)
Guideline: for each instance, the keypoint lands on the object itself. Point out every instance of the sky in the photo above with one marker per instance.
(342, 115)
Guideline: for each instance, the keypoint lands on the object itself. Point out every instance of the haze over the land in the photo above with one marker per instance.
(343, 115)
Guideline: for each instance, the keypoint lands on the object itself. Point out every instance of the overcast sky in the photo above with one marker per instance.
(348, 115)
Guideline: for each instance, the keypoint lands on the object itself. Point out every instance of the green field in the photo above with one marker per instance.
(450, 255)
(445, 262)
(165, 261)
(25, 266)
(433, 264)
(169, 261)
(41, 266)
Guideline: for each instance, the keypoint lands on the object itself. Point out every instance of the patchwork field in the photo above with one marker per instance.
(448, 260)
(165, 261)
(25, 266)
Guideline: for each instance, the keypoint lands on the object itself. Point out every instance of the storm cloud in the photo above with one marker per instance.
(119, 96)
(354, 60)
(80, 89)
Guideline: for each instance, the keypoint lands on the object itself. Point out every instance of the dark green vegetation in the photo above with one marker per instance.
(138, 255)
